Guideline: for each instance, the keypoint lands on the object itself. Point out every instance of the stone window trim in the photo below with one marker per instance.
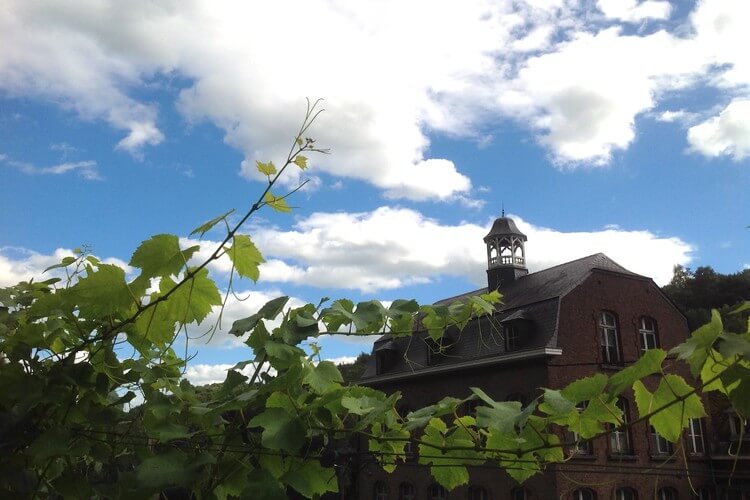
(620, 442)
(696, 444)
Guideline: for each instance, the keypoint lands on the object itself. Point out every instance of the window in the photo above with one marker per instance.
(659, 445)
(647, 329)
(478, 493)
(626, 494)
(609, 340)
(703, 494)
(584, 494)
(695, 437)
(437, 492)
(380, 490)
(584, 448)
(406, 491)
(511, 338)
(667, 494)
(519, 494)
(619, 438)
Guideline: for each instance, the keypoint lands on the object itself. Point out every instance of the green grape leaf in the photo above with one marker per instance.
(735, 344)
(160, 255)
(262, 484)
(322, 377)
(445, 465)
(281, 431)
(282, 356)
(245, 256)
(276, 202)
(648, 364)
(163, 470)
(206, 226)
(193, 300)
(65, 262)
(311, 479)
(156, 325)
(270, 310)
(300, 161)
(268, 169)
(102, 292)
(555, 403)
(696, 348)
(585, 389)
(670, 421)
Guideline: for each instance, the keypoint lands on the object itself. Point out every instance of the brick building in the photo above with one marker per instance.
(557, 325)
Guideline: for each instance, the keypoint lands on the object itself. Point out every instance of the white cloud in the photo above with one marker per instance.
(390, 75)
(201, 374)
(87, 169)
(634, 10)
(728, 133)
(21, 264)
(392, 247)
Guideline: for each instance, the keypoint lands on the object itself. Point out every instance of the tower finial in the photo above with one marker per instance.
(503, 209)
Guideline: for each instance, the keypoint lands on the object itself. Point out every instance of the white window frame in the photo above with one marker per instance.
(478, 493)
(381, 491)
(402, 495)
(511, 338)
(585, 449)
(619, 437)
(667, 494)
(609, 338)
(649, 340)
(696, 443)
(626, 494)
(659, 444)
(584, 494)
(437, 492)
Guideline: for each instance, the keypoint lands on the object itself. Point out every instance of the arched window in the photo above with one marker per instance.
(406, 492)
(380, 491)
(519, 494)
(647, 330)
(583, 448)
(478, 493)
(619, 437)
(695, 437)
(703, 494)
(667, 494)
(437, 492)
(626, 494)
(610, 341)
(584, 494)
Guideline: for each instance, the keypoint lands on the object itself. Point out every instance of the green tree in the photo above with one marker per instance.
(66, 383)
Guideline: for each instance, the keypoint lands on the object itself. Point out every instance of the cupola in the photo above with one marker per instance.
(506, 255)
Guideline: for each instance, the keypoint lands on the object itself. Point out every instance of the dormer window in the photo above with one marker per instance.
(511, 338)
(385, 355)
(647, 330)
(610, 342)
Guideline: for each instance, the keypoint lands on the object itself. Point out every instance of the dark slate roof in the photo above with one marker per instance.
(531, 301)
(504, 225)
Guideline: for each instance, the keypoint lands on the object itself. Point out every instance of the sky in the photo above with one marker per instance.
(615, 126)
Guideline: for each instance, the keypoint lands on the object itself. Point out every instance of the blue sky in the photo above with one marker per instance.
(614, 126)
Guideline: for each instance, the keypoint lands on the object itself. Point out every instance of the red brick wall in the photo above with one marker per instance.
(579, 338)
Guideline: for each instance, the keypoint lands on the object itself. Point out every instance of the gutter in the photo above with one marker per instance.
(434, 370)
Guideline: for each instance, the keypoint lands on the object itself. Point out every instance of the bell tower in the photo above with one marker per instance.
(506, 255)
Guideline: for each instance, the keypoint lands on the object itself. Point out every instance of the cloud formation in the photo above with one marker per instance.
(393, 247)
(567, 70)
(87, 169)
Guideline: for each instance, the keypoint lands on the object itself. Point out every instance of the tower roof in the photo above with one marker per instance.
(504, 226)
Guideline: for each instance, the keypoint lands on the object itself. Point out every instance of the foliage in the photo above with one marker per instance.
(697, 293)
(66, 427)
(352, 372)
